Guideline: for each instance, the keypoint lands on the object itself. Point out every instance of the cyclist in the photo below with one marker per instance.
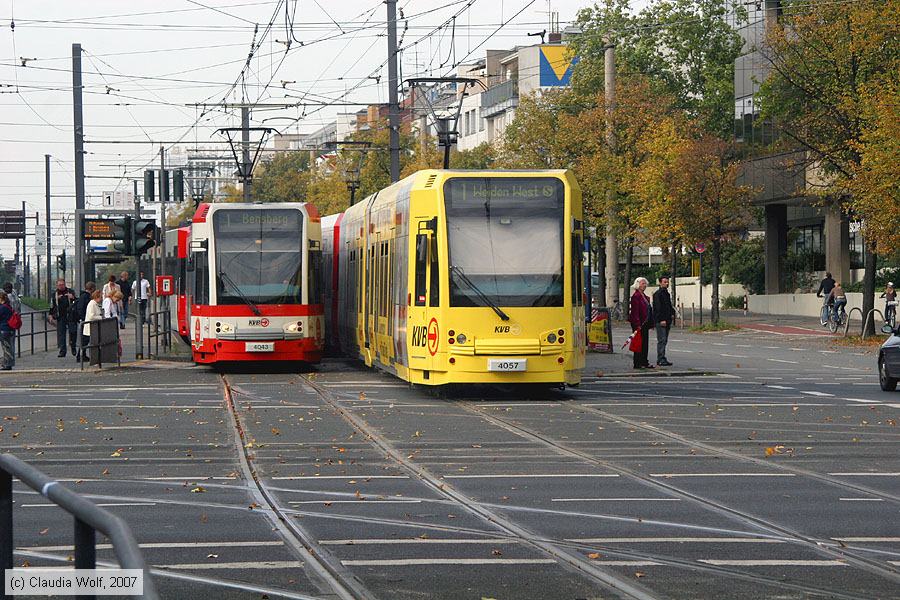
(838, 298)
(825, 288)
(890, 302)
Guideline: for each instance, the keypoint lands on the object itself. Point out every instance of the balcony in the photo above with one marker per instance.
(500, 98)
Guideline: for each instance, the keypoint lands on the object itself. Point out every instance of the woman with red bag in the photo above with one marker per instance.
(640, 317)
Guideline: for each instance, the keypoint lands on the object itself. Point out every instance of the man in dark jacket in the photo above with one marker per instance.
(825, 288)
(62, 308)
(664, 315)
(125, 288)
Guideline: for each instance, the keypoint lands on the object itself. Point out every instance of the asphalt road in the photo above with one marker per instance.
(777, 476)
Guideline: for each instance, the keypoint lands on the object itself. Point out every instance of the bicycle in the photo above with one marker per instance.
(837, 318)
(825, 314)
(890, 313)
(617, 311)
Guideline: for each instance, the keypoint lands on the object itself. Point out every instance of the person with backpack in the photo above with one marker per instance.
(7, 333)
(62, 305)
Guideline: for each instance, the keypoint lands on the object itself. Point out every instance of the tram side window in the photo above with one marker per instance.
(577, 271)
(201, 278)
(434, 296)
(314, 277)
(421, 267)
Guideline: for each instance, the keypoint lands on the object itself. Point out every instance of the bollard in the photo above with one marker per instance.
(746, 300)
(692, 315)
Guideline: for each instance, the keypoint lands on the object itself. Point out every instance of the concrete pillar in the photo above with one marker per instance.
(776, 245)
(837, 243)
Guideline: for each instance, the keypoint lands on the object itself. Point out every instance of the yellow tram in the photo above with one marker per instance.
(461, 277)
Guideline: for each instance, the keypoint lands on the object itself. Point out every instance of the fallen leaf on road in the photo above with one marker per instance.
(44, 531)
(496, 552)
(82, 420)
(254, 505)
(198, 490)
(212, 556)
(204, 518)
(104, 472)
(116, 454)
(594, 555)
(276, 431)
(638, 574)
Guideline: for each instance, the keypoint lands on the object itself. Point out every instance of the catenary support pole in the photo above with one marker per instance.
(78, 122)
(393, 102)
(49, 221)
(612, 242)
(245, 151)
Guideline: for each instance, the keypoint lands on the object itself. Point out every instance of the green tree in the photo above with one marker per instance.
(482, 156)
(830, 63)
(686, 48)
(284, 178)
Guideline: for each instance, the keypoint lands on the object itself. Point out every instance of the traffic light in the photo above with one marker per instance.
(144, 236)
(149, 194)
(61, 261)
(178, 185)
(125, 242)
(164, 185)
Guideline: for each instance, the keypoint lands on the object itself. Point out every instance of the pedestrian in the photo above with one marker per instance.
(93, 312)
(640, 315)
(62, 305)
(141, 294)
(6, 333)
(890, 302)
(111, 304)
(664, 315)
(110, 286)
(125, 288)
(16, 305)
(81, 306)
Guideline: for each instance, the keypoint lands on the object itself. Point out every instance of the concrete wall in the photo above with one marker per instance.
(687, 291)
(802, 305)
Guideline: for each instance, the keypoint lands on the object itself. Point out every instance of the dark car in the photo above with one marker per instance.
(889, 360)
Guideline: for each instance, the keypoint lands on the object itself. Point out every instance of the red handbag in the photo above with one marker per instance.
(637, 341)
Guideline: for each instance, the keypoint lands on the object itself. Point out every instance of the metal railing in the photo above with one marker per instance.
(101, 344)
(89, 519)
(159, 327)
(497, 94)
(29, 318)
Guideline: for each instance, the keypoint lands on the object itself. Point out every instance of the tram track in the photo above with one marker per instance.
(823, 547)
(323, 570)
(561, 553)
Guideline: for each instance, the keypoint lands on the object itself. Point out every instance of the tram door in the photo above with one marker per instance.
(424, 326)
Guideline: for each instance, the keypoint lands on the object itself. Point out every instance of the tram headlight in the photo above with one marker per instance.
(225, 327)
(551, 337)
(294, 327)
(461, 338)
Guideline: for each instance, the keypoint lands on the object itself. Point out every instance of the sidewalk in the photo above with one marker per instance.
(48, 360)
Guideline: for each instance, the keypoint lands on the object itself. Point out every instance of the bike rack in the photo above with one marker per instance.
(849, 313)
(89, 519)
(868, 317)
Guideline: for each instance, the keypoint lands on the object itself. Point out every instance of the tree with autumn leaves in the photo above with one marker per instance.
(833, 92)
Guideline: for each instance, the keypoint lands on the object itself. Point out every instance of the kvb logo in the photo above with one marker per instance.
(264, 322)
(433, 339)
(418, 336)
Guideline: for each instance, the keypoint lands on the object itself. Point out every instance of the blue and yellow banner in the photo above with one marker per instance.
(557, 63)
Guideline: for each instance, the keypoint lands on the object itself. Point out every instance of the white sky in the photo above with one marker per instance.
(159, 56)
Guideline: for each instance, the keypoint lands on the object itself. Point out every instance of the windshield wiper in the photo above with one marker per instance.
(224, 277)
(479, 293)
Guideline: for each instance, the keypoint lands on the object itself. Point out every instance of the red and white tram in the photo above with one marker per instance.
(249, 281)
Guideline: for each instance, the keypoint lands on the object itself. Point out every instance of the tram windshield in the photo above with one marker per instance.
(505, 240)
(258, 256)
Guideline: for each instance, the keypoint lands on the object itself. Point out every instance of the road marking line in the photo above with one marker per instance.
(782, 387)
(885, 474)
(667, 475)
(819, 394)
(96, 504)
(677, 540)
(530, 476)
(407, 562)
(359, 501)
(892, 405)
(867, 539)
(164, 545)
(863, 400)
(778, 360)
(274, 564)
(615, 500)
(301, 477)
(105, 427)
(733, 355)
(384, 541)
(861, 499)
(772, 563)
